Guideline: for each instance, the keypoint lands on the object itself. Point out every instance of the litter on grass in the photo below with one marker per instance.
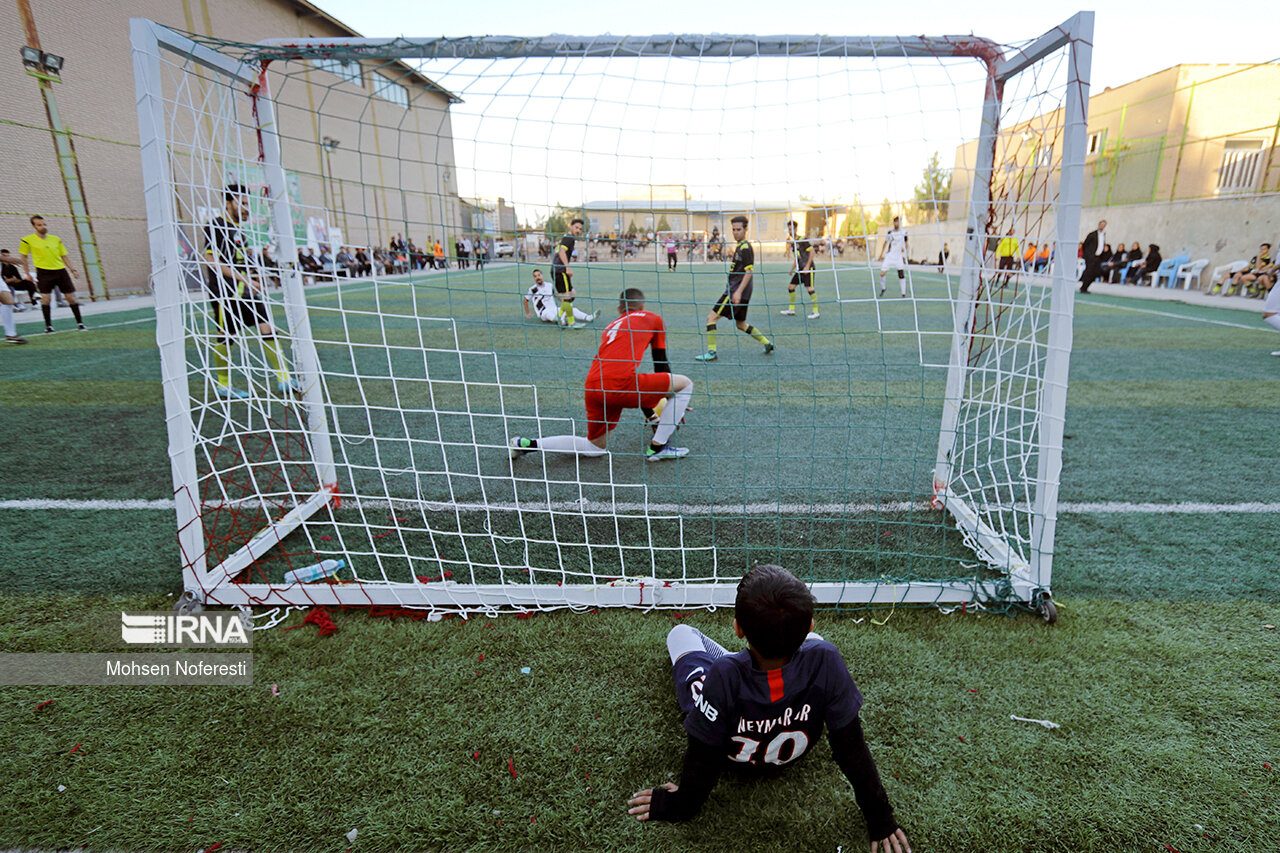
(351, 836)
(1046, 723)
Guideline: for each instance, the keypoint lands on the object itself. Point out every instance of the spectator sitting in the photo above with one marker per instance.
(1126, 258)
(344, 264)
(362, 264)
(1138, 270)
(307, 261)
(1261, 266)
(326, 262)
(1044, 257)
(1112, 265)
(15, 280)
(1029, 258)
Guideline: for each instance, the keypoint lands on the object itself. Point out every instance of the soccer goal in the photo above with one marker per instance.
(902, 449)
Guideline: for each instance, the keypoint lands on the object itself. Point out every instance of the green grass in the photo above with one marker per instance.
(1161, 670)
(377, 726)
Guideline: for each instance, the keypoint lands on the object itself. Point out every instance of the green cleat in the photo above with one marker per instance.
(769, 348)
(709, 355)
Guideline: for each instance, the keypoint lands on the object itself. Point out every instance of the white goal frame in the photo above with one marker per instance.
(1026, 579)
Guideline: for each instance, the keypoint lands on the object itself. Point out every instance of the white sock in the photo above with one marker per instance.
(1273, 321)
(902, 285)
(581, 315)
(6, 314)
(672, 414)
(683, 639)
(570, 444)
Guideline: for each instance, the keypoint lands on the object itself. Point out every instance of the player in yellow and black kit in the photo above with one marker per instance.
(562, 274)
(237, 300)
(737, 295)
(803, 273)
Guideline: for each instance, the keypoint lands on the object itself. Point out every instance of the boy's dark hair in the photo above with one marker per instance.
(740, 218)
(577, 221)
(235, 191)
(774, 609)
(1268, 245)
(33, 219)
(632, 296)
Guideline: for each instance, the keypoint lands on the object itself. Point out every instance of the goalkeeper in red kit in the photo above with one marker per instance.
(613, 385)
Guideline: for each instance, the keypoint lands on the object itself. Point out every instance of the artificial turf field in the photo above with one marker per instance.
(1161, 670)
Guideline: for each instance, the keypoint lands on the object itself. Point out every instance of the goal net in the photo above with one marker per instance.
(343, 376)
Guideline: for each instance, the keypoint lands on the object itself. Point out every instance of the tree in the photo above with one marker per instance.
(558, 220)
(632, 229)
(663, 225)
(933, 193)
(885, 217)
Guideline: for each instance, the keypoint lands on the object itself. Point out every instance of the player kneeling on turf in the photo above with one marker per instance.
(542, 301)
(765, 706)
(614, 385)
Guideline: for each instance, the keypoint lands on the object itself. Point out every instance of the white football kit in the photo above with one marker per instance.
(542, 302)
(895, 254)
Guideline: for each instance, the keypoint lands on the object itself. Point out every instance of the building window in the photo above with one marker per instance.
(1044, 156)
(1095, 142)
(390, 90)
(1241, 165)
(347, 69)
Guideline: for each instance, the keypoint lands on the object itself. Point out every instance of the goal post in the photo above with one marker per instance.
(371, 422)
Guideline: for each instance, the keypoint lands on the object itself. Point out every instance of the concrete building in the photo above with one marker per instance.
(387, 167)
(1185, 158)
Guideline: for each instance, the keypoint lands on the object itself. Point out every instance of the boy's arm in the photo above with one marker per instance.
(849, 748)
(700, 773)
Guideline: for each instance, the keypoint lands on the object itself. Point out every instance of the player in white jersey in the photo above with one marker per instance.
(540, 300)
(893, 255)
(1271, 311)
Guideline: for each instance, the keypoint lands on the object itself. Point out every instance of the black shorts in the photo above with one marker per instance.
(1005, 263)
(49, 279)
(804, 277)
(560, 278)
(242, 312)
(726, 308)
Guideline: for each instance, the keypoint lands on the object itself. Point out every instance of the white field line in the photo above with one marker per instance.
(595, 507)
(1255, 327)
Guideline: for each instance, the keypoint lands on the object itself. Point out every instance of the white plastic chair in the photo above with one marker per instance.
(1230, 269)
(1190, 271)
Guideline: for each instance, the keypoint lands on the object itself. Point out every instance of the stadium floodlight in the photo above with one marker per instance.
(32, 57)
(901, 450)
(53, 63)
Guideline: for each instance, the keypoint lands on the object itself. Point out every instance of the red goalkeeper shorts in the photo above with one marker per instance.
(605, 406)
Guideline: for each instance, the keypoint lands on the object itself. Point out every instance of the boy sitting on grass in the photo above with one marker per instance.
(764, 706)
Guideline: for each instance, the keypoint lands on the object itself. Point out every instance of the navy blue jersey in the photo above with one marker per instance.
(758, 717)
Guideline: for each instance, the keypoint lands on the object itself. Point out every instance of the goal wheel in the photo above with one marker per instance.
(1047, 609)
(187, 603)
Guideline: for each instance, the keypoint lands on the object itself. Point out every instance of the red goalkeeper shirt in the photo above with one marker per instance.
(622, 347)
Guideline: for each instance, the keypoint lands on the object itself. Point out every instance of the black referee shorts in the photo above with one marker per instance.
(49, 279)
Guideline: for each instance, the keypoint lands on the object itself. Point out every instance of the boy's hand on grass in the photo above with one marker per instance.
(641, 799)
(896, 843)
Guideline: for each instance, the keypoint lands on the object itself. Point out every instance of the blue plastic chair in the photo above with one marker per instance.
(1168, 270)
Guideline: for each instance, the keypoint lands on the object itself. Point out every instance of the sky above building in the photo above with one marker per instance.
(1132, 38)
(566, 132)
